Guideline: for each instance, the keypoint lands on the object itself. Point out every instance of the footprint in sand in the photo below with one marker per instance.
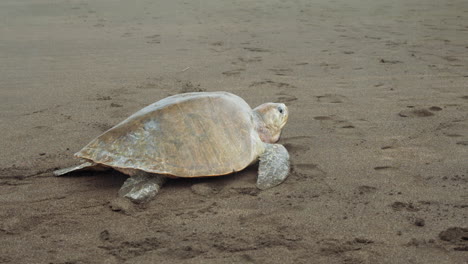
(254, 49)
(419, 111)
(188, 87)
(452, 135)
(103, 97)
(384, 168)
(450, 58)
(329, 66)
(272, 84)
(115, 105)
(43, 128)
(281, 71)
(217, 44)
(235, 72)
(404, 206)
(364, 189)
(455, 129)
(457, 237)
(154, 39)
(322, 118)
(250, 59)
(435, 108)
(285, 98)
(387, 61)
(332, 98)
(333, 122)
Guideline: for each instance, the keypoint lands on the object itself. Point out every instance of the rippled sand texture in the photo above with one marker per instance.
(378, 130)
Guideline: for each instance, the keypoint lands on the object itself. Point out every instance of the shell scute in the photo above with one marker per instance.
(186, 135)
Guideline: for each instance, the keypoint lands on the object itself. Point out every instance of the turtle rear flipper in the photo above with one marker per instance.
(83, 166)
(274, 166)
(142, 187)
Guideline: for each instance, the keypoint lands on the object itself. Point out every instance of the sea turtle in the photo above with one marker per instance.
(190, 135)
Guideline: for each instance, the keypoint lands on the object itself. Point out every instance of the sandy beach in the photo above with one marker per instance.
(377, 133)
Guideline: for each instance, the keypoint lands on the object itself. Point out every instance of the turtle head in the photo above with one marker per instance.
(271, 118)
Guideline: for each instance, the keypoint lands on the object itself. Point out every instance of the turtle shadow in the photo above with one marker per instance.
(218, 182)
(114, 179)
(101, 179)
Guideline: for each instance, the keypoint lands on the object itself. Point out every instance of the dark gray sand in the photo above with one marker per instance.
(378, 130)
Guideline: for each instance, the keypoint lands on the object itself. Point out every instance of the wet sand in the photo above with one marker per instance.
(378, 130)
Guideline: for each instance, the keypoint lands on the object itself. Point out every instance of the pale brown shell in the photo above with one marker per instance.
(185, 135)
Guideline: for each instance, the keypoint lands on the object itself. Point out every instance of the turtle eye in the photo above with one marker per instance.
(280, 109)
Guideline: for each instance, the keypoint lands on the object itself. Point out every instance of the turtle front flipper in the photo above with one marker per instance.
(83, 166)
(142, 187)
(274, 166)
